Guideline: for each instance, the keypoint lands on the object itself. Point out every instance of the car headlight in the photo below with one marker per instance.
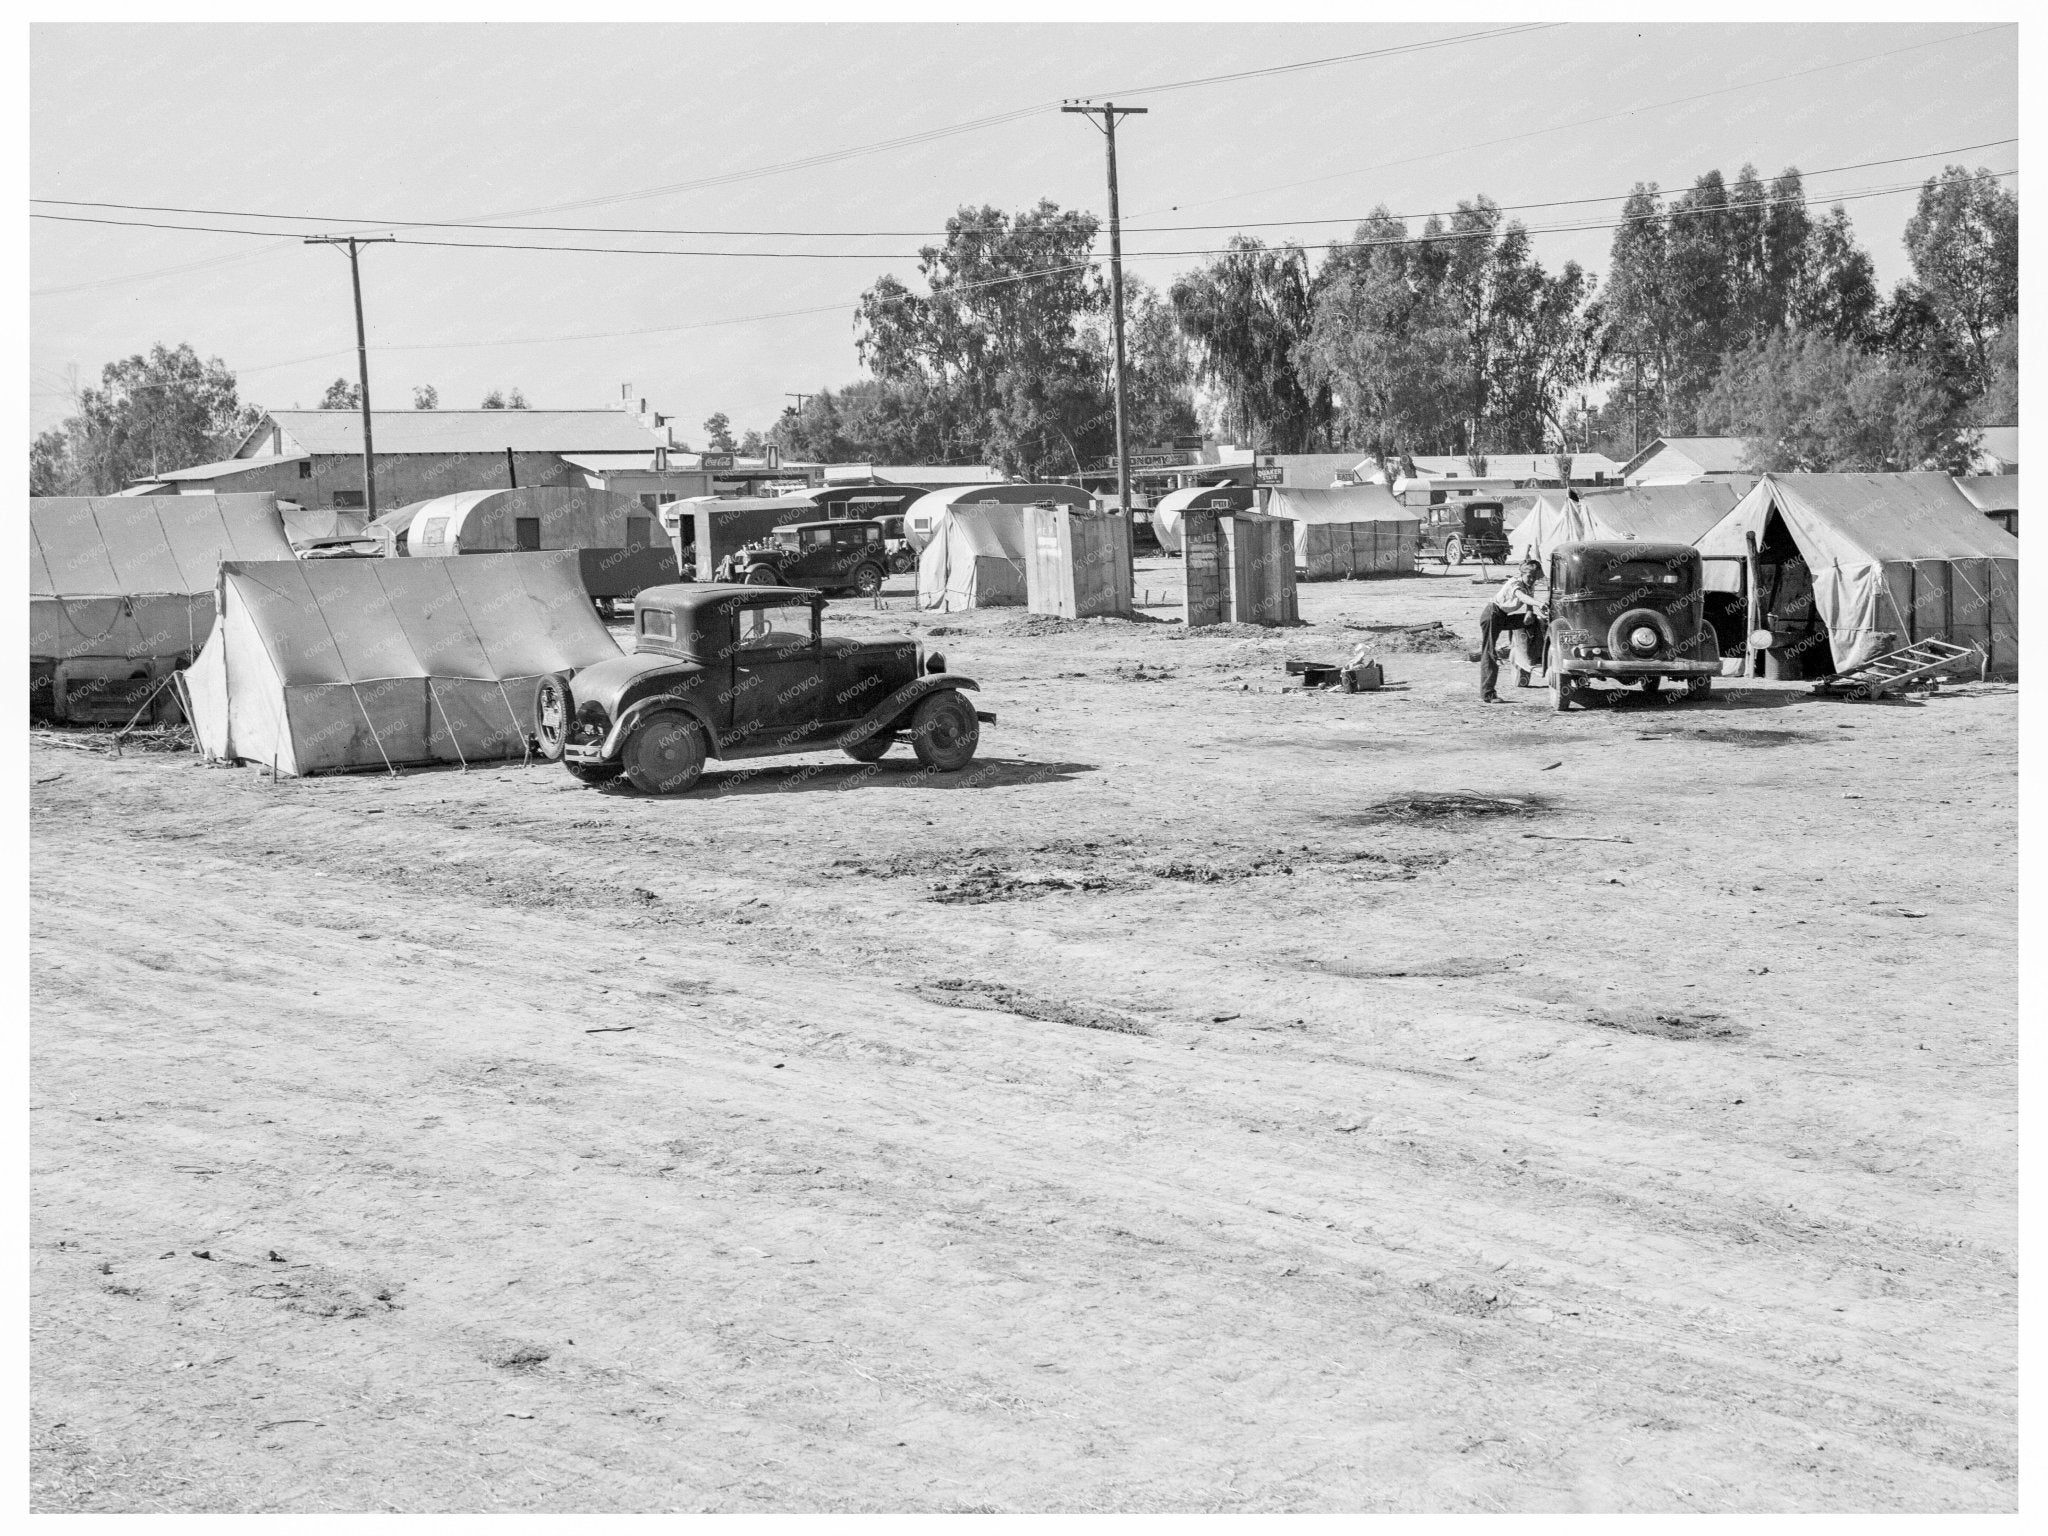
(1643, 638)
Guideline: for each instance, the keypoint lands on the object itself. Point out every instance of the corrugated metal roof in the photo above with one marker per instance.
(464, 431)
(1508, 466)
(1713, 455)
(229, 467)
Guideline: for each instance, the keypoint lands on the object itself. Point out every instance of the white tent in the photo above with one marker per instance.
(1880, 560)
(1356, 530)
(133, 576)
(975, 557)
(1169, 509)
(1653, 514)
(922, 515)
(328, 665)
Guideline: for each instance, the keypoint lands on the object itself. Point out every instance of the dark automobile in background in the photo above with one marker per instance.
(838, 556)
(746, 671)
(1629, 613)
(1457, 531)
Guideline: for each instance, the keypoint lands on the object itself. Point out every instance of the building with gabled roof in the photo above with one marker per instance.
(314, 459)
(1677, 460)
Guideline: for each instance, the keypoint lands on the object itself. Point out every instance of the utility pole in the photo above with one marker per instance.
(355, 278)
(1110, 113)
(799, 399)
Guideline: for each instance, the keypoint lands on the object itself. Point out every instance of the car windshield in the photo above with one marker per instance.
(783, 538)
(1638, 573)
(775, 626)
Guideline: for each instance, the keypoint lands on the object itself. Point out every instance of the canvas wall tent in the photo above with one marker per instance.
(325, 666)
(621, 544)
(121, 588)
(922, 515)
(1870, 563)
(1169, 511)
(1358, 530)
(974, 557)
(1654, 514)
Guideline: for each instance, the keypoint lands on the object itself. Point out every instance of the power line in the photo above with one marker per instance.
(843, 306)
(1607, 117)
(863, 234)
(872, 256)
(997, 119)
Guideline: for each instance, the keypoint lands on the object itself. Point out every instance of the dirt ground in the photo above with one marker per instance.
(1186, 1108)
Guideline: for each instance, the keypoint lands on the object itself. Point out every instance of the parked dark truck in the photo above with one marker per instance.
(844, 555)
(734, 671)
(1633, 613)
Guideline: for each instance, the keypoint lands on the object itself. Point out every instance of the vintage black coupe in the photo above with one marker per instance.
(736, 671)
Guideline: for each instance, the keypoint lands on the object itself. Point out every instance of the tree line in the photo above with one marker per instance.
(1732, 308)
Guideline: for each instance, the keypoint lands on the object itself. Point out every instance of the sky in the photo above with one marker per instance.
(357, 128)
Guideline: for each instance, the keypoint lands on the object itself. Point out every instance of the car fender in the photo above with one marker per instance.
(885, 714)
(633, 714)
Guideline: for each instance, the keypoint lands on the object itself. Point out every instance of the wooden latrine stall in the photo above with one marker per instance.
(1078, 564)
(1238, 567)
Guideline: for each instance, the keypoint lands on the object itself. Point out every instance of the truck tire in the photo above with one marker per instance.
(868, 579)
(664, 755)
(554, 706)
(944, 731)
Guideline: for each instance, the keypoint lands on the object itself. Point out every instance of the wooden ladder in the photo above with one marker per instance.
(1897, 670)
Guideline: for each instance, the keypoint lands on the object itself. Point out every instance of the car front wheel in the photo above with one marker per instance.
(1454, 552)
(764, 576)
(665, 754)
(944, 731)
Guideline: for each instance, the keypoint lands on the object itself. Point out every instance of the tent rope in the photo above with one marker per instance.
(435, 700)
(356, 693)
(518, 730)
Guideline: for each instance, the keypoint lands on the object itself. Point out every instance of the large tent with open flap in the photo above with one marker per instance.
(121, 590)
(1653, 514)
(1872, 562)
(326, 665)
(1352, 530)
(975, 557)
